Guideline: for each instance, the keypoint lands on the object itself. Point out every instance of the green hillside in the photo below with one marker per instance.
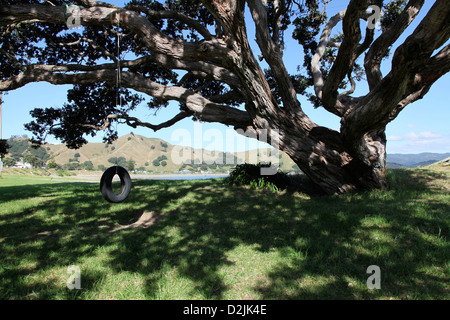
(142, 151)
(443, 165)
(149, 154)
(158, 156)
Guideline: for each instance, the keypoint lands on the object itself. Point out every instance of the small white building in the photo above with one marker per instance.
(20, 164)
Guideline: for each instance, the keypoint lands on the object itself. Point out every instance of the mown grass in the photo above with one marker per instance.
(204, 239)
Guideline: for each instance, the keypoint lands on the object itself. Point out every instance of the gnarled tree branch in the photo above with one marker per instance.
(135, 122)
(318, 80)
(273, 56)
(170, 14)
(346, 54)
(379, 47)
(206, 109)
(409, 62)
(213, 50)
(438, 65)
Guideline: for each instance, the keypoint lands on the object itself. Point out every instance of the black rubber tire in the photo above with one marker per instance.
(106, 184)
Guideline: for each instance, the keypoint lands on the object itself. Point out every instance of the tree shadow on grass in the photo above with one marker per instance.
(401, 231)
(325, 244)
(331, 241)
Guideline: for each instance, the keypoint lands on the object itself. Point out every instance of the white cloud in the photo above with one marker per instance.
(395, 138)
(413, 142)
(429, 134)
(425, 135)
(411, 136)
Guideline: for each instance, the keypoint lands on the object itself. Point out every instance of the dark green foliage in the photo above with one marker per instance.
(163, 144)
(118, 161)
(250, 174)
(391, 12)
(159, 161)
(88, 165)
(300, 82)
(20, 147)
(33, 160)
(307, 25)
(52, 164)
(88, 106)
(308, 22)
(131, 164)
(72, 166)
(3, 148)
(9, 161)
(17, 146)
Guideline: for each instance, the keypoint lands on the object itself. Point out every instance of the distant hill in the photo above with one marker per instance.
(393, 165)
(443, 165)
(149, 154)
(416, 160)
(156, 155)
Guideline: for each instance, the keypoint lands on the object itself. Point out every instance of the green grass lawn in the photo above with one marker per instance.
(204, 239)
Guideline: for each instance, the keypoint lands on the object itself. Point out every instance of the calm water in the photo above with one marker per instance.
(189, 177)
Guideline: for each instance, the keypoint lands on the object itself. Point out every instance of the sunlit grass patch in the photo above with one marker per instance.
(208, 240)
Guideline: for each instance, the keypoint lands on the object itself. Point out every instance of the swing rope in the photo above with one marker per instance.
(118, 79)
(108, 175)
(119, 76)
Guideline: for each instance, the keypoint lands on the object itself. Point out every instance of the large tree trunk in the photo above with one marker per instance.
(325, 160)
(321, 153)
(334, 165)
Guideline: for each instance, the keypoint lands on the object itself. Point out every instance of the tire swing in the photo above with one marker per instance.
(106, 184)
(109, 174)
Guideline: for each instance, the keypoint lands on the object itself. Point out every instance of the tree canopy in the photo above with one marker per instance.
(198, 53)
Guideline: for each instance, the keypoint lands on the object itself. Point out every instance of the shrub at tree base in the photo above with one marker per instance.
(250, 174)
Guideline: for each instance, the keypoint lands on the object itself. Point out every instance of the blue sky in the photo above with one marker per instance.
(421, 127)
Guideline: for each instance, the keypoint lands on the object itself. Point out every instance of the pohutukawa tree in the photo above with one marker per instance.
(198, 53)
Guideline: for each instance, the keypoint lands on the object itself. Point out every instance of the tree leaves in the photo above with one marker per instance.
(88, 109)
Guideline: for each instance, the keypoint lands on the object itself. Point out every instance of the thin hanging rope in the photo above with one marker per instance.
(119, 71)
(118, 83)
(119, 77)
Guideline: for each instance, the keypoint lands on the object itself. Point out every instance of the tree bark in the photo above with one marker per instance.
(338, 162)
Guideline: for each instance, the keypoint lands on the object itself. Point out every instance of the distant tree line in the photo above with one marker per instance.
(161, 160)
(19, 148)
(224, 161)
(123, 162)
